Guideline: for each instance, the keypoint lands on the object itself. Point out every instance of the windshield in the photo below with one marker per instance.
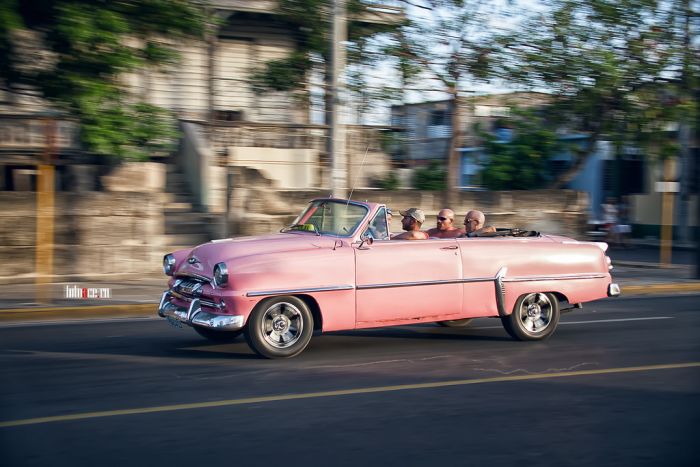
(326, 217)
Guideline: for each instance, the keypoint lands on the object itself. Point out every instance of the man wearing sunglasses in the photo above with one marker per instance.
(445, 226)
(474, 224)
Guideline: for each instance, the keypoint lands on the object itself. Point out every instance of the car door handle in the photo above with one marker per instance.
(453, 247)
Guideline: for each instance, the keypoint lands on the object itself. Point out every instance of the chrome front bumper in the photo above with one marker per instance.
(613, 290)
(194, 316)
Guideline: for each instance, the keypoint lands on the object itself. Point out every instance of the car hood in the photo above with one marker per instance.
(202, 259)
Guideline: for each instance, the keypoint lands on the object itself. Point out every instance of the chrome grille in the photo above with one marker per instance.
(191, 287)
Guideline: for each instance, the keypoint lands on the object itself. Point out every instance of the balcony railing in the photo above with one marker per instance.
(268, 135)
(379, 11)
(360, 138)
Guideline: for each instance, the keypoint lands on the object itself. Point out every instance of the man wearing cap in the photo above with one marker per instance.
(412, 219)
(445, 226)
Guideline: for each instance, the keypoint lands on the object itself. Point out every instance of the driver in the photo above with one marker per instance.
(411, 222)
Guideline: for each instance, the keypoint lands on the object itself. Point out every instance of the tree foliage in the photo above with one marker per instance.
(430, 178)
(449, 44)
(616, 68)
(312, 21)
(522, 162)
(80, 54)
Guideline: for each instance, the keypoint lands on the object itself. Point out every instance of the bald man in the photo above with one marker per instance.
(445, 225)
(474, 224)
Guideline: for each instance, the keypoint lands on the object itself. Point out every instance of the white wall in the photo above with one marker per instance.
(287, 168)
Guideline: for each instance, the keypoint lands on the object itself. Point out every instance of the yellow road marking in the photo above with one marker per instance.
(341, 392)
(650, 289)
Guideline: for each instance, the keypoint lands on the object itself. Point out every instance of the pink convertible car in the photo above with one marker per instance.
(335, 269)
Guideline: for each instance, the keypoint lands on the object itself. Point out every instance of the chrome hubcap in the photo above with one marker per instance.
(535, 313)
(282, 325)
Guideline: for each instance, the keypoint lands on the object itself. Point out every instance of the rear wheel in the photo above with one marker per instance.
(535, 317)
(279, 327)
(456, 323)
(217, 336)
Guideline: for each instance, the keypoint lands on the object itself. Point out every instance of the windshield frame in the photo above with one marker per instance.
(342, 202)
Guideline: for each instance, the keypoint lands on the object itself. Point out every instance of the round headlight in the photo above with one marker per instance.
(220, 274)
(169, 264)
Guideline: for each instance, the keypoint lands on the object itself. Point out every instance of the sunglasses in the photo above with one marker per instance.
(443, 219)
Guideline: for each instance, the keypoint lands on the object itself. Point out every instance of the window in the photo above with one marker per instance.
(439, 117)
(328, 217)
(378, 228)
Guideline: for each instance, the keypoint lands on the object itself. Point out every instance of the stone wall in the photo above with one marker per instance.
(95, 233)
(122, 231)
(262, 210)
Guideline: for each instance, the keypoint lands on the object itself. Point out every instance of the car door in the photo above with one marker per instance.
(399, 280)
(482, 259)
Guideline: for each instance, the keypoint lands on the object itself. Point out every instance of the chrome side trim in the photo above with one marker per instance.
(500, 290)
(560, 277)
(333, 288)
(421, 283)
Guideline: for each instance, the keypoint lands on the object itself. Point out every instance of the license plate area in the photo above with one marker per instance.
(173, 322)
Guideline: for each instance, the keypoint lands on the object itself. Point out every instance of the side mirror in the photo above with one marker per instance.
(365, 239)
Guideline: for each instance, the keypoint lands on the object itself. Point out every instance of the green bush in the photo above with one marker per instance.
(390, 182)
(431, 178)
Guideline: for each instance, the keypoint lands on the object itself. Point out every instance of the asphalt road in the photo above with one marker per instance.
(618, 384)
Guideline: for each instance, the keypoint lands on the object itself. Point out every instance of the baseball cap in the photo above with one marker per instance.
(415, 213)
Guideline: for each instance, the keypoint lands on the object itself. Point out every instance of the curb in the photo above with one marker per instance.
(651, 289)
(647, 265)
(78, 312)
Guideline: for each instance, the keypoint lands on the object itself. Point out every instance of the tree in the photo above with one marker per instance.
(615, 69)
(522, 161)
(448, 43)
(311, 19)
(76, 54)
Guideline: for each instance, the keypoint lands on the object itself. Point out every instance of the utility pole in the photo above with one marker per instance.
(45, 215)
(684, 129)
(336, 132)
(697, 187)
(668, 188)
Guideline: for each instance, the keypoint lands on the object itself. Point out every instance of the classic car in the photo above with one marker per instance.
(336, 268)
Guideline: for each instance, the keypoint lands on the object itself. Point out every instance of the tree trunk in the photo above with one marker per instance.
(453, 181)
(569, 174)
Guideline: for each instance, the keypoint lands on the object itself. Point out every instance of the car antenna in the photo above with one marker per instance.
(362, 164)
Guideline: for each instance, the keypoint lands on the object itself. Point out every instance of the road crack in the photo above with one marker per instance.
(528, 372)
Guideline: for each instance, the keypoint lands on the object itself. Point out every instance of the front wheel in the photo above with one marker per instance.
(535, 317)
(279, 327)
